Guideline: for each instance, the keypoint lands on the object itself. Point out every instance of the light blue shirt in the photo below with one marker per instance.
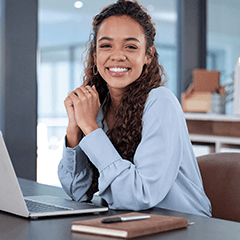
(165, 172)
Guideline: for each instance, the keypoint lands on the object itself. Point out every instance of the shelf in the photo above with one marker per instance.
(214, 139)
(218, 141)
(212, 117)
(211, 129)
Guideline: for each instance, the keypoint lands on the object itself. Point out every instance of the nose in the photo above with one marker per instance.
(118, 55)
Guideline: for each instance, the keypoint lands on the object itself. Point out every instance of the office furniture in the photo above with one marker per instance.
(17, 228)
(221, 178)
(214, 130)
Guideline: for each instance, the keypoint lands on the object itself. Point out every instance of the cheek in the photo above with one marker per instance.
(140, 58)
(139, 62)
(100, 58)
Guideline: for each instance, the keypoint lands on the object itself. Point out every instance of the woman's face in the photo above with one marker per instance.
(120, 52)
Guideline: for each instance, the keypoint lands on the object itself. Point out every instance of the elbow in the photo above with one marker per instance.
(130, 203)
(144, 199)
(143, 204)
(133, 206)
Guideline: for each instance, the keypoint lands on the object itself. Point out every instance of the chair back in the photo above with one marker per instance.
(221, 180)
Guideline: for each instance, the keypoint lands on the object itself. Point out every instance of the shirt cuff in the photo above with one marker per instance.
(73, 159)
(99, 149)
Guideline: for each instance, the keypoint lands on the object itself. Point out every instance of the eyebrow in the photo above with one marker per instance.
(126, 39)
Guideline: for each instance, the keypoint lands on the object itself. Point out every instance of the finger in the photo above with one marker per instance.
(85, 89)
(95, 90)
(94, 93)
(88, 88)
(92, 90)
(68, 101)
(79, 92)
(74, 95)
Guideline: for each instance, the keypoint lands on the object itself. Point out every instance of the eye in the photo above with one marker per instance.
(131, 47)
(105, 45)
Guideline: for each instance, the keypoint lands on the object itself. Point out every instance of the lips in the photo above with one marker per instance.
(118, 71)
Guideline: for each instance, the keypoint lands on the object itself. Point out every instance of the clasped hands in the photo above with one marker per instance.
(82, 106)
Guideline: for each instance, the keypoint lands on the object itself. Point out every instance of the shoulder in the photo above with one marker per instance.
(162, 97)
(161, 92)
(162, 105)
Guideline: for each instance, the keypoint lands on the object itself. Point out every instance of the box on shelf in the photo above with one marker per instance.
(197, 102)
(206, 81)
(197, 98)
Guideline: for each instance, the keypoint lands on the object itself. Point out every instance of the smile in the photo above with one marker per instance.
(118, 69)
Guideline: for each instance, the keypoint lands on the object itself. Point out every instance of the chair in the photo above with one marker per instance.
(221, 180)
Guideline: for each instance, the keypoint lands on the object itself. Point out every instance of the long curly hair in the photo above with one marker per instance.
(126, 133)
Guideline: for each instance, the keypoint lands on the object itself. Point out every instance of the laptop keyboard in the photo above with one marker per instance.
(36, 207)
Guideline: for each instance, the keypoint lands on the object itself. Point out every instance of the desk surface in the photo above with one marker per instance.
(14, 227)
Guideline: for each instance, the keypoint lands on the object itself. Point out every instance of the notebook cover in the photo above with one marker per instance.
(130, 229)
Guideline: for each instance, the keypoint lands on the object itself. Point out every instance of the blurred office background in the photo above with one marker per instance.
(63, 28)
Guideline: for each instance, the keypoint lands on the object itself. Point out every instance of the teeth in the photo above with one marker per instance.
(118, 69)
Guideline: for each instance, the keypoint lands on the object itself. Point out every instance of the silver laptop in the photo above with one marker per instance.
(13, 201)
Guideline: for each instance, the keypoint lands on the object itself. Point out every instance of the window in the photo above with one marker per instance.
(63, 32)
(223, 38)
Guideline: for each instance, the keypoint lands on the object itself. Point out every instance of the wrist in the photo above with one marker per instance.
(89, 128)
(73, 136)
(73, 129)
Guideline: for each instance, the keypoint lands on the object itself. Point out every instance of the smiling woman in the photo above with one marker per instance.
(63, 32)
(121, 53)
(127, 135)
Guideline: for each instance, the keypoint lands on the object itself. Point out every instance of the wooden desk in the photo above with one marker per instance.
(16, 228)
(215, 130)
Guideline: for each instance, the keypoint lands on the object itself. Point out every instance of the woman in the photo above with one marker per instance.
(127, 137)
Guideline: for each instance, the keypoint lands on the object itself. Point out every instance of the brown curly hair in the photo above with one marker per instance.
(126, 133)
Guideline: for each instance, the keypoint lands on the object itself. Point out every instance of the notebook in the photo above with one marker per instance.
(130, 229)
(13, 201)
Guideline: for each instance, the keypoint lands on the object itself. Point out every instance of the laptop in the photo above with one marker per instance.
(13, 201)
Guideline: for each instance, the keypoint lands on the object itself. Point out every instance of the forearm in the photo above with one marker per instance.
(122, 184)
(124, 187)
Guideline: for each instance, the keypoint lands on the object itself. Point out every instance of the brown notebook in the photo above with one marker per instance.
(130, 229)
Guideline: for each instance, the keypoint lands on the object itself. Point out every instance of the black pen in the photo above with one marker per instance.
(123, 219)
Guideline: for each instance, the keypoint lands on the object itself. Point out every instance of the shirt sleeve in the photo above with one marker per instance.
(75, 173)
(157, 159)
